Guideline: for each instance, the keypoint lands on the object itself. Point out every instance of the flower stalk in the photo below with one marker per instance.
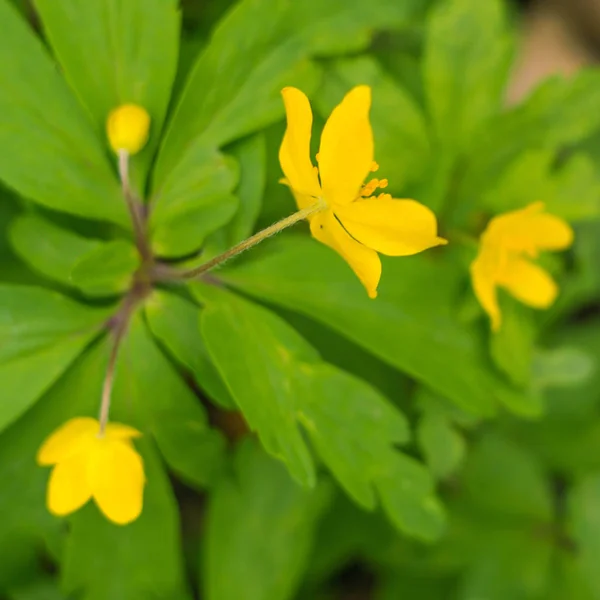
(253, 240)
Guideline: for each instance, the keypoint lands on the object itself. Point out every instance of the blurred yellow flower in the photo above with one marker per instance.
(127, 128)
(354, 223)
(506, 245)
(106, 468)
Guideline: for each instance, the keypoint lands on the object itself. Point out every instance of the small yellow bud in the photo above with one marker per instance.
(127, 128)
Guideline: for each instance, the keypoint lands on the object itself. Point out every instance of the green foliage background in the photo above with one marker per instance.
(395, 441)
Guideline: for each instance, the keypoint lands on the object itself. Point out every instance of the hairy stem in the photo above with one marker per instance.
(118, 327)
(135, 208)
(251, 241)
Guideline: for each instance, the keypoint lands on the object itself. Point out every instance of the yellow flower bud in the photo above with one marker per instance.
(127, 128)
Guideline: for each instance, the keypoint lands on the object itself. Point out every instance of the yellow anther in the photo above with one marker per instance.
(318, 157)
(383, 183)
(374, 167)
(127, 128)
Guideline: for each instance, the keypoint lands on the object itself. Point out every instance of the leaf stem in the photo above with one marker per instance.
(253, 240)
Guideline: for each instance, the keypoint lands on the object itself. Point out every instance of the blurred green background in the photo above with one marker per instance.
(301, 441)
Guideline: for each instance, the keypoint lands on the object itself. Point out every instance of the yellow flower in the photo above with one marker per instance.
(354, 223)
(107, 469)
(127, 128)
(506, 244)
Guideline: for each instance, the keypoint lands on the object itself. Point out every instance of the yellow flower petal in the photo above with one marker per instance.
(392, 227)
(294, 153)
(484, 286)
(127, 128)
(346, 152)
(118, 431)
(364, 261)
(529, 283)
(68, 487)
(116, 475)
(530, 229)
(67, 440)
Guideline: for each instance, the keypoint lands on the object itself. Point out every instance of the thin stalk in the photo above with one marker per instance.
(134, 207)
(257, 238)
(119, 325)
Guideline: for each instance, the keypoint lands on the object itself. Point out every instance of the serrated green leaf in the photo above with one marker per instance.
(402, 146)
(502, 477)
(107, 269)
(133, 48)
(411, 325)
(133, 562)
(465, 67)
(174, 321)
(260, 530)
(281, 383)
(185, 211)
(234, 90)
(149, 391)
(345, 454)
(49, 249)
(250, 154)
(263, 383)
(44, 132)
(408, 497)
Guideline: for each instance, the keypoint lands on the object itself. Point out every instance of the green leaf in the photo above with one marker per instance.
(133, 562)
(174, 321)
(443, 445)
(31, 318)
(250, 154)
(260, 530)
(281, 383)
(49, 249)
(26, 524)
(133, 48)
(512, 346)
(558, 113)
(107, 269)
(42, 589)
(149, 390)
(234, 90)
(571, 192)
(584, 526)
(562, 367)
(44, 132)
(411, 325)
(467, 56)
(402, 146)
(42, 334)
(185, 211)
(513, 563)
(263, 383)
(504, 478)
(27, 377)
